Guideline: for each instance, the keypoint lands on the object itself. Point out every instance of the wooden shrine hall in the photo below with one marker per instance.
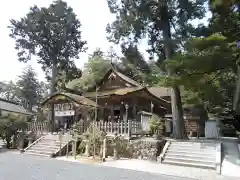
(118, 99)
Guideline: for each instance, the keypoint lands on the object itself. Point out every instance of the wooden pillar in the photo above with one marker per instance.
(101, 114)
(152, 106)
(126, 112)
(112, 113)
(134, 111)
(121, 111)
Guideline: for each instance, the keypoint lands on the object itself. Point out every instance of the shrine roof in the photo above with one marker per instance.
(119, 74)
(159, 91)
(74, 97)
(9, 106)
(121, 91)
(125, 91)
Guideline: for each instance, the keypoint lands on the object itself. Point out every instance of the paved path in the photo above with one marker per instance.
(14, 166)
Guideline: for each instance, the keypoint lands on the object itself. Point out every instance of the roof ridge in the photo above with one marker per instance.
(128, 78)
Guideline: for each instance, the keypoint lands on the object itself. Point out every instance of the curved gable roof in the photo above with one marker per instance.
(73, 97)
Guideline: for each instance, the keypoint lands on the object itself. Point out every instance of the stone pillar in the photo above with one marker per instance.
(30, 141)
(74, 148)
(21, 142)
(14, 141)
(87, 148)
(104, 149)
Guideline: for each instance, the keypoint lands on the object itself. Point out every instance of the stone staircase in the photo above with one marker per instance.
(193, 154)
(48, 145)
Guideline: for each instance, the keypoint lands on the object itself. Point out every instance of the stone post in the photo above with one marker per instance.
(60, 140)
(116, 148)
(14, 140)
(104, 149)
(21, 142)
(75, 149)
(87, 148)
(67, 148)
(30, 140)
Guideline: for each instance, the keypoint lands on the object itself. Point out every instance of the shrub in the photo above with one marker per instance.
(156, 125)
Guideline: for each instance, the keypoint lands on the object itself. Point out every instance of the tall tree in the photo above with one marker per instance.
(226, 20)
(29, 88)
(207, 72)
(153, 20)
(52, 34)
(9, 91)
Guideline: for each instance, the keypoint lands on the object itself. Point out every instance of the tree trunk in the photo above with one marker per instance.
(53, 90)
(177, 111)
(237, 93)
(54, 77)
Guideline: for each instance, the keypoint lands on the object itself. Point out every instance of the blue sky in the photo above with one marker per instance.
(93, 14)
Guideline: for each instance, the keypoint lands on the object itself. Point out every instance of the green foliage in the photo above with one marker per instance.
(53, 35)
(9, 91)
(153, 20)
(93, 71)
(206, 72)
(29, 88)
(94, 137)
(156, 125)
(136, 20)
(9, 126)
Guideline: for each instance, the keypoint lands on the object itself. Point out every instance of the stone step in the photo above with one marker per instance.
(190, 164)
(193, 144)
(190, 159)
(49, 153)
(213, 158)
(37, 154)
(45, 146)
(192, 149)
(51, 144)
(44, 149)
(44, 139)
(193, 152)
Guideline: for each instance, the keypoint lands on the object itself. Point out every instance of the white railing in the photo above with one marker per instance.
(121, 127)
(38, 127)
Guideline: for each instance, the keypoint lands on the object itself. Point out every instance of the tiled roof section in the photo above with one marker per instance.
(12, 107)
(74, 97)
(127, 79)
(122, 91)
(159, 91)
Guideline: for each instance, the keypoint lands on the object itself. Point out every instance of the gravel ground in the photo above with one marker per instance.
(15, 166)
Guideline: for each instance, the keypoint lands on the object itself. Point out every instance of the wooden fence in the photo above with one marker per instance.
(124, 128)
(121, 127)
(39, 127)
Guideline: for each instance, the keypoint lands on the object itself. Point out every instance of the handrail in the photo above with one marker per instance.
(64, 145)
(34, 143)
(164, 150)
